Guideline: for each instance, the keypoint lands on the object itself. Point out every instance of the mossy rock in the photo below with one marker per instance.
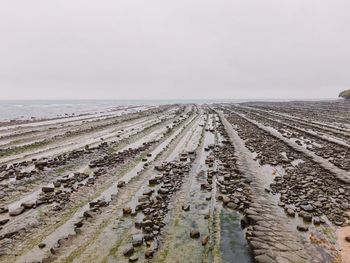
(345, 94)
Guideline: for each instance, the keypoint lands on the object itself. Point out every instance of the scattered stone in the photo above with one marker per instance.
(3, 210)
(47, 189)
(303, 228)
(121, 184)
(87, 214)
(307, 208)
(195, 233)
(232, 205)
(128, 250)
(137, 240)
(290, 212)
(28, 205)
(4, 221)
(317, 220)
(79, 224)
(41, 245)
(17, 211)
(186, 207)
(149, 253)
(127, 211)
(205, 240)
(225, 200)
(133, 258)
(307, 217)
(57, 184)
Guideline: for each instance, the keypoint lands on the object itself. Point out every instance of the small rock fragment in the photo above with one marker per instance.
(121, 184)
(48, 189)
(303, 228)
(127, 210)
(128, 251)
(205, 240)
(186, 207)
(133, 258)
(42, 245)
(195, 233)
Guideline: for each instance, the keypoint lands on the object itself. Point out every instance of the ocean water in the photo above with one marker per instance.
(27, 109)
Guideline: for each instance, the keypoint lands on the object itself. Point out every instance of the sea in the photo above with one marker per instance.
(40, 109)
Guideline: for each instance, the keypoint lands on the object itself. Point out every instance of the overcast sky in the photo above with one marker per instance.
(183, 49)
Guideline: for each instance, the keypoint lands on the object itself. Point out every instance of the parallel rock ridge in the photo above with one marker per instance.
(267, 232)
(265, 182)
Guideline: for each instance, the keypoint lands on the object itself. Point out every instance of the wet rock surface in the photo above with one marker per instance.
(267, 230)
(288, 204)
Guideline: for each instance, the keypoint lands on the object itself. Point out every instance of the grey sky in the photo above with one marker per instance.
(123, 49)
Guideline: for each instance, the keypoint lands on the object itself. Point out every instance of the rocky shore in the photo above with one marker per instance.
(157, 184)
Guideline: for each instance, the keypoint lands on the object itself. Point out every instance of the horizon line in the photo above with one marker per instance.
(100, 99)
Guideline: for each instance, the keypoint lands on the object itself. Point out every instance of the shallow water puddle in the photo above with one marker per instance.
(233, 245)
